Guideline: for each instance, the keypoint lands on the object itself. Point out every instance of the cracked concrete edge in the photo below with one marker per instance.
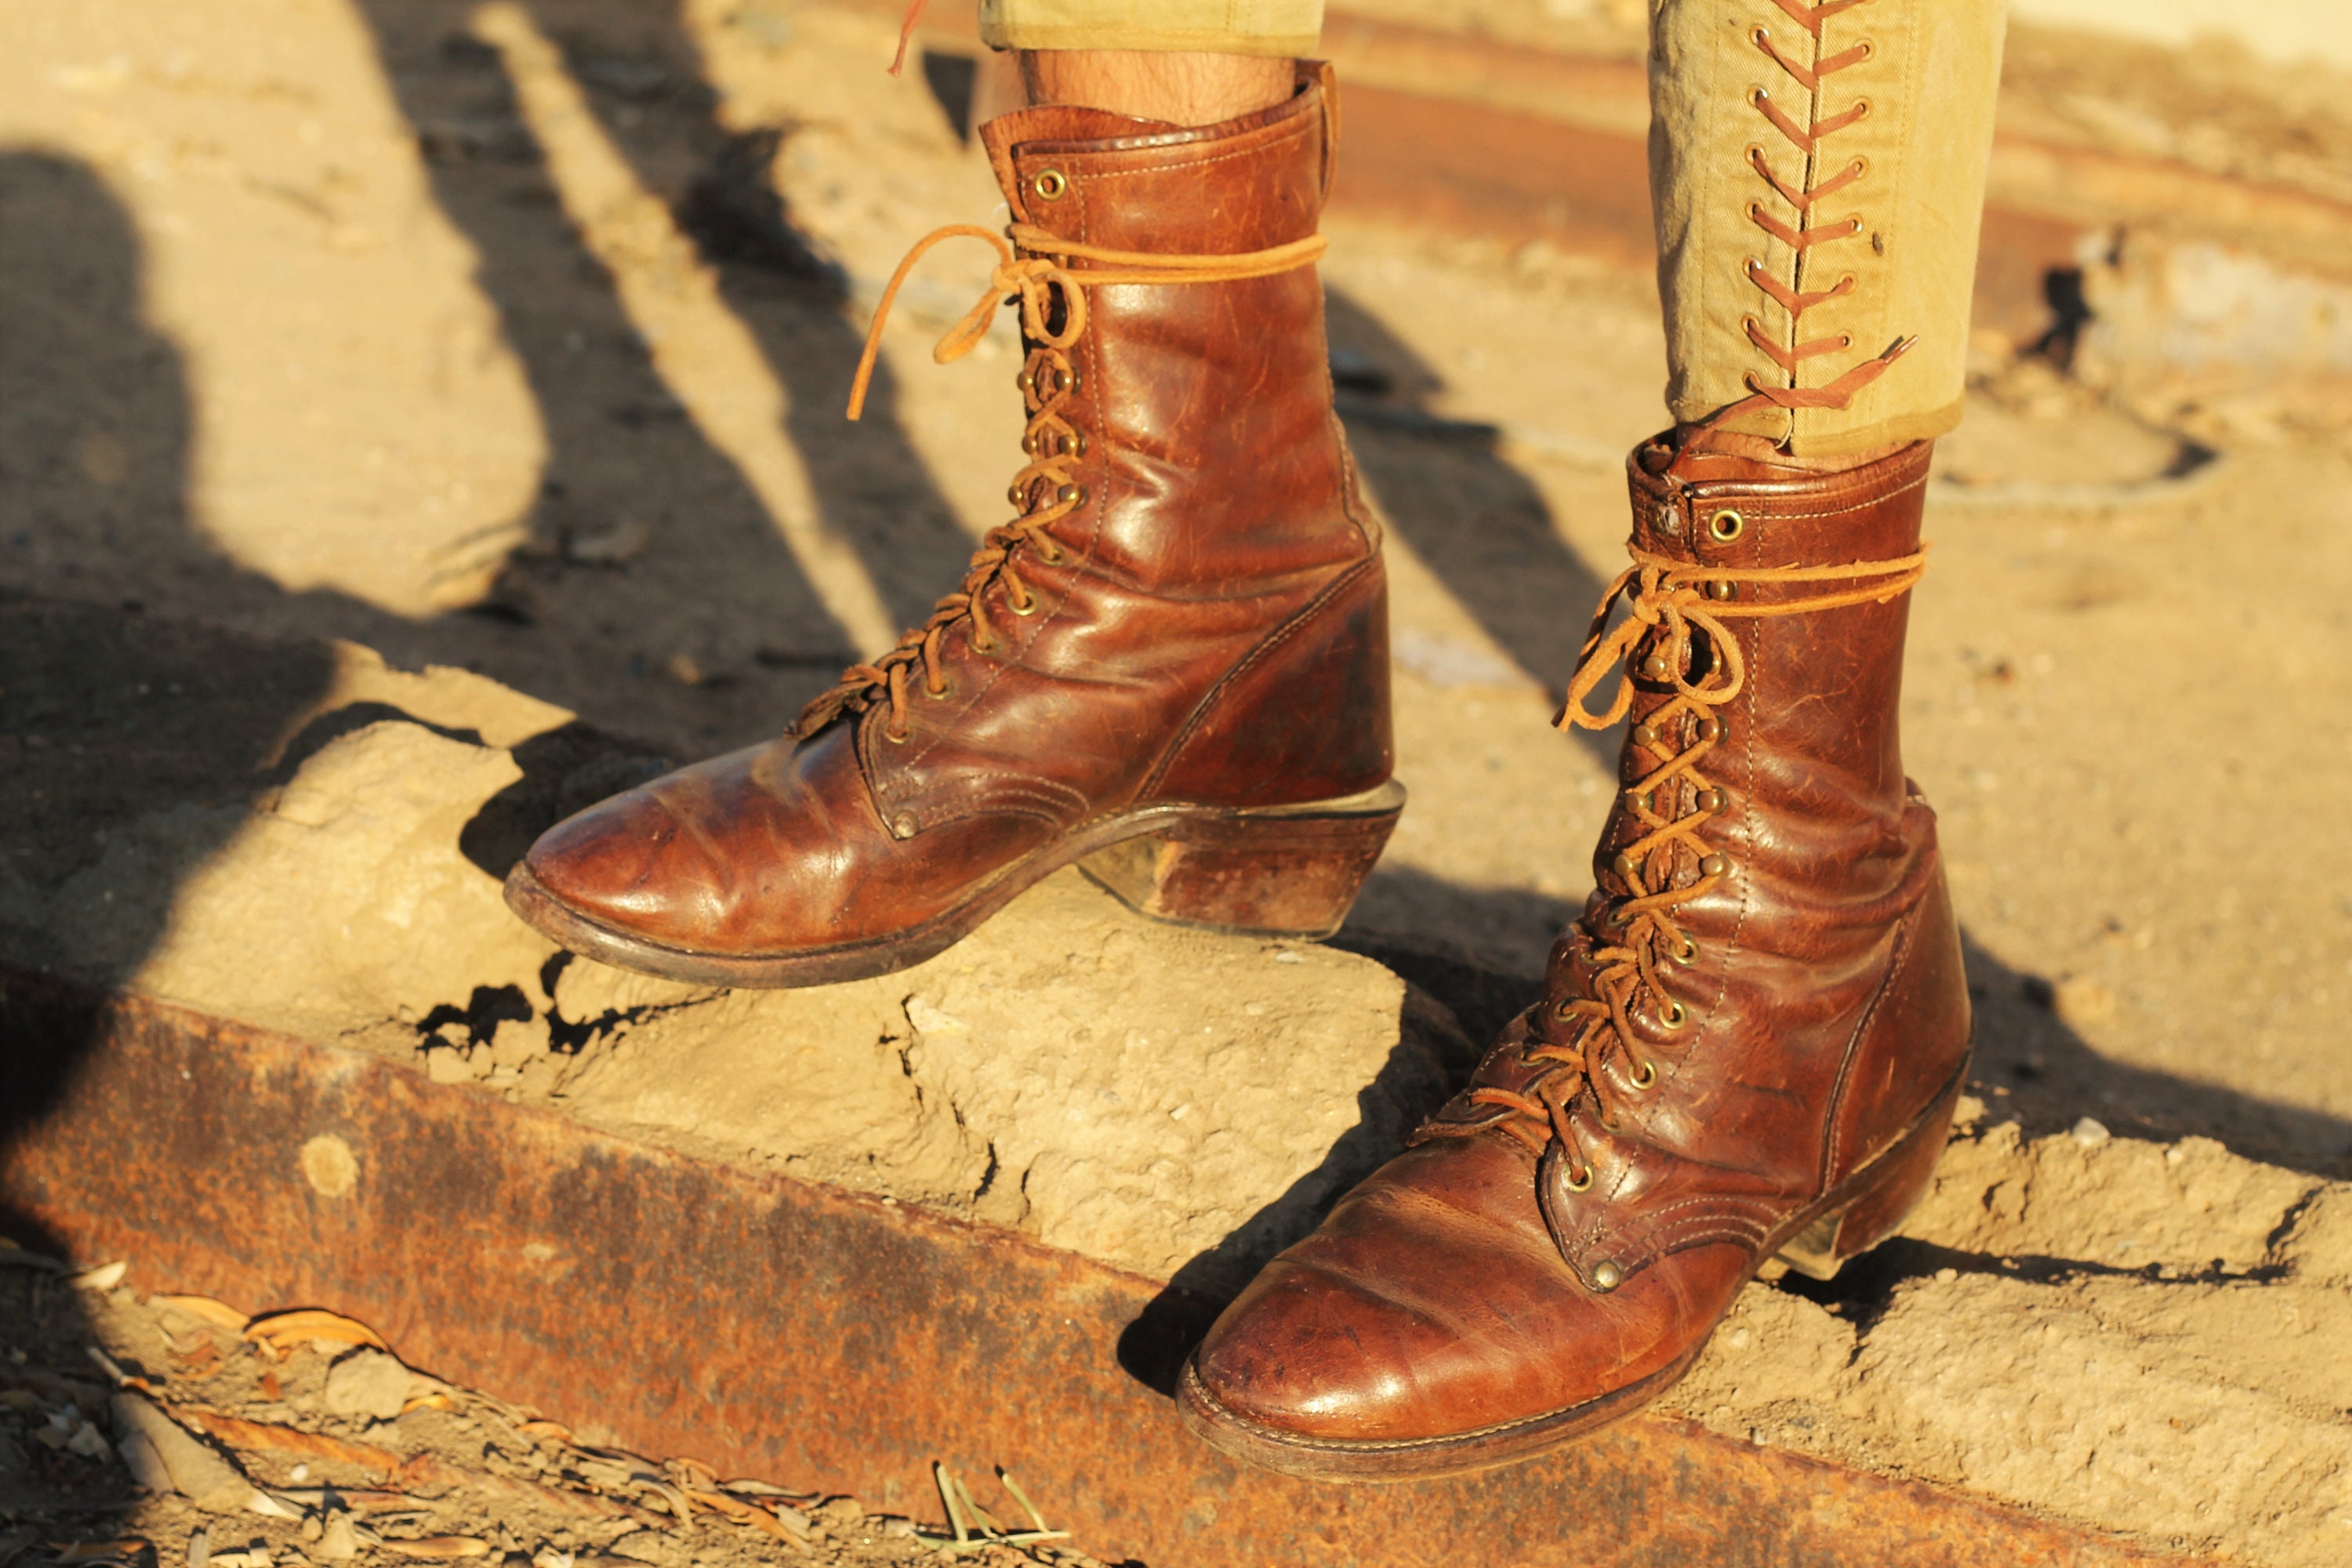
(2134, 1337)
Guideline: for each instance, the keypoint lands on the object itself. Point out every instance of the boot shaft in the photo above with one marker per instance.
(1211, 457)
(1816, 732)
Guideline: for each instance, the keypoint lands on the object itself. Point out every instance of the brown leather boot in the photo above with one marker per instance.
(1750, 1043)
(1171, 668)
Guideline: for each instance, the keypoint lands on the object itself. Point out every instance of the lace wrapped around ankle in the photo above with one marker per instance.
(1675, 622)
(1035, 272)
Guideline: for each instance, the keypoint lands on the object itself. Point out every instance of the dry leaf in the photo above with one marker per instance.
(105, 1277)
(219, 1314)
(553, 1431)
(440, 1548)
(282, 1332)
(243, 1435)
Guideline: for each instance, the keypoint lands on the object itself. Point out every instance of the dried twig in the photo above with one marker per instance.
(424, 1471)
(282, 1332)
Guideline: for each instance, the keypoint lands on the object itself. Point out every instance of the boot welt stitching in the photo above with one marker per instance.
(1759, 502)
(1670, 1373)
(1831, 1143)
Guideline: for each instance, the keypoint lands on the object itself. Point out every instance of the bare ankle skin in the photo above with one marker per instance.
(1179, 89)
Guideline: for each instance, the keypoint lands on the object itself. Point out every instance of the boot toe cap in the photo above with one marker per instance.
(627, 864)
(1431, 1302)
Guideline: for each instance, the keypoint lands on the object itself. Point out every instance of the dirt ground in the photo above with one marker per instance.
(513, 338)
(140, 1429)
(326, 319)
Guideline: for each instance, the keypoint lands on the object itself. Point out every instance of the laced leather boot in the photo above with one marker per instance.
(1750, 1041)
(1171, 668)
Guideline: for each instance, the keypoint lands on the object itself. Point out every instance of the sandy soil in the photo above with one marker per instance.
(512, 338)
(304, 1440)
(501, 345)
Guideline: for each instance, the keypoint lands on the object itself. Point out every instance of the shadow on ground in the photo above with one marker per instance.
(130, 700)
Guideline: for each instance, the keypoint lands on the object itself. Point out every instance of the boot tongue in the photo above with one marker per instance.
(1056, 122)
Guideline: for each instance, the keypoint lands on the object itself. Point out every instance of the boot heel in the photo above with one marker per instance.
(1290, 871)
(1881, 1195)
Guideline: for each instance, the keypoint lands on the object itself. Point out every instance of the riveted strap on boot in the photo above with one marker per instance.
(1667, 601)
(1034, 271)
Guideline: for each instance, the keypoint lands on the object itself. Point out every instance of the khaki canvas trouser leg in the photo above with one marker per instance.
(1276, 27)
(1818, 175)
(1817, 172)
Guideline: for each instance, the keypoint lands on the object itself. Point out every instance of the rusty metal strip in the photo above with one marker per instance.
(768, 1327)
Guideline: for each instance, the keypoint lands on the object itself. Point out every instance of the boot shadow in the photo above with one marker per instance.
(1474, 518)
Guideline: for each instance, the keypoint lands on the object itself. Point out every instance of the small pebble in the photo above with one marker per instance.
(337, 1542)
(367, 1382)
(1945, 1276)
(2090, 1134)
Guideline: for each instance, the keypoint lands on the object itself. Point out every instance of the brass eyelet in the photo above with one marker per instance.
(1645, 1074)
(897, 737)
(1674, 1014)
(1074, 445)
(1686, 954)
(1050, 185)
(1708, 728)
(1071, 495)
(1050, 555)
(1725, 525)
(1722, 590)
(1027, 608)
(1713, 865)
(944, 689)
(1575, 1184)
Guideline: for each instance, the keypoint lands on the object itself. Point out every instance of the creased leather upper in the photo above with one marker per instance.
(1457, 1288)
(1214, 632)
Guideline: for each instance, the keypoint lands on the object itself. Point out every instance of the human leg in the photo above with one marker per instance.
(1751, 1041)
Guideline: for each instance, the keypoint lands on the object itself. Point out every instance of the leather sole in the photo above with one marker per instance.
(1287, 870)
(1849, 1219)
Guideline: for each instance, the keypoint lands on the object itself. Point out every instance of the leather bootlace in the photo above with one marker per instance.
(1034, 271)
(1671, 606)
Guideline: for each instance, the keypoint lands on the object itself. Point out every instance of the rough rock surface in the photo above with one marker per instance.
(2125, 1334)
(1173, 1101)
(2133, 1335)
